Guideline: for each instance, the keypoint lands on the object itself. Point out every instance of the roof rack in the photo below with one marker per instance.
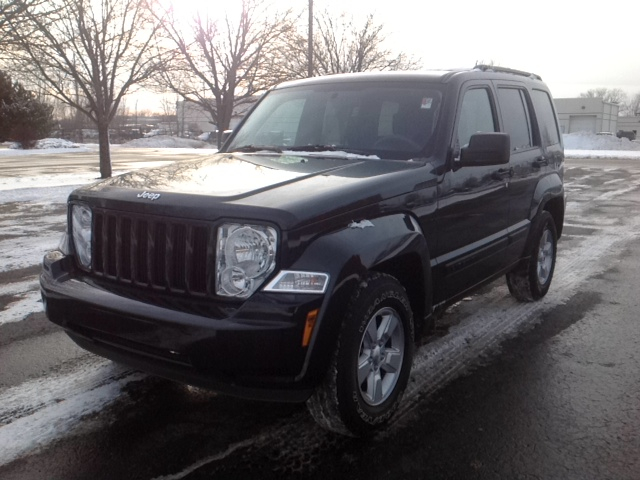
(494, 68)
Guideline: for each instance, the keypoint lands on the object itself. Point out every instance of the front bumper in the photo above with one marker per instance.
(253, 350)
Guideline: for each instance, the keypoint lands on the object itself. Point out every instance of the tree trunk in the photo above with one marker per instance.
(105, 152)
(225, 113)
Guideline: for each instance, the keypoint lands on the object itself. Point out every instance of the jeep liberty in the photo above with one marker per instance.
(298, 262)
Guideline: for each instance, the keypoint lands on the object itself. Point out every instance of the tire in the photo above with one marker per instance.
(371, 364)
(531, 281)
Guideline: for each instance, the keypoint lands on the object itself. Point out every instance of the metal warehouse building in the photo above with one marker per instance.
(586, 115)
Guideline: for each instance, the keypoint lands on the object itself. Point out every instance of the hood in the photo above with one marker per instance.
(272, 186)
(225, 175)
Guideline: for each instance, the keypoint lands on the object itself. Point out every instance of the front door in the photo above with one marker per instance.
(473, 205)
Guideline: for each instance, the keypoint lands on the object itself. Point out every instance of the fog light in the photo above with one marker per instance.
(298, 282)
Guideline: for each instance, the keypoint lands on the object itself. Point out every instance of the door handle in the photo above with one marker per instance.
(502, 173)
(540, 162)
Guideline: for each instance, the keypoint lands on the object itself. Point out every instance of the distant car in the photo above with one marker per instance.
(155, 133)
(212, 137)
(630, 134)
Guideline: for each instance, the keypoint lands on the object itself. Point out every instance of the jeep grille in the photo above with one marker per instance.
(155, 252)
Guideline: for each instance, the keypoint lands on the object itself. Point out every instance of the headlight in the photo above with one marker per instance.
(246, 256)
(81, 232)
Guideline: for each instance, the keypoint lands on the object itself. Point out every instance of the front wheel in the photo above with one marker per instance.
(371, 364)
(532, 281)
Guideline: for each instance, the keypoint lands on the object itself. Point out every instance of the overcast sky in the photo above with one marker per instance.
(573, 45)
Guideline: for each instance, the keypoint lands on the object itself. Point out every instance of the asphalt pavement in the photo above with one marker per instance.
(501, 390)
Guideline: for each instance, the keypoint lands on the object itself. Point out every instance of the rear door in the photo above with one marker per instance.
(528, 161)
(549, 130)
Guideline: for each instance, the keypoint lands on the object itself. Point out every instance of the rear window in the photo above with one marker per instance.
(515, 117)
(546, 116)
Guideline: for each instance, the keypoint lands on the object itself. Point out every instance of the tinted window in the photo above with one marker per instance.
(282, 126)
(546, 116)
(476, 115)
(515, 116)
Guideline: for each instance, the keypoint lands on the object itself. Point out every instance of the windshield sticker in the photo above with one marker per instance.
(426, 103)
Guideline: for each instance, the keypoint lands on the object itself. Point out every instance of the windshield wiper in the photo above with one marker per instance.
(257, 148)
(326, 148)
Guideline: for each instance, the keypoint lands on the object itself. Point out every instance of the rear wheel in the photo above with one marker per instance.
(371, 364)
(531, 281)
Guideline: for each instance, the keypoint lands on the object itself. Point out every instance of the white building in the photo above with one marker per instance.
(586, 115)
(193, 118)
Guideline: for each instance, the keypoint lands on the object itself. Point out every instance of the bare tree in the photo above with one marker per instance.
(90, 53)
(631, 107)
(12, 11)
(168, 115)
(634, 105)
(610, 95)
(220, 64)
(341, 45)
(7, 11)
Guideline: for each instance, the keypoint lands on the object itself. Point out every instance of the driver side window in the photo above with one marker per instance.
(476, 115)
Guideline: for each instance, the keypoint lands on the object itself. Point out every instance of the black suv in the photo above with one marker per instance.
(298, 262)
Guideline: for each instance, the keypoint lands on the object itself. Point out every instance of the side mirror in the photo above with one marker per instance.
(486, 149)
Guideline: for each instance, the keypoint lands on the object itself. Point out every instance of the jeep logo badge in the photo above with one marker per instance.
(149, 195)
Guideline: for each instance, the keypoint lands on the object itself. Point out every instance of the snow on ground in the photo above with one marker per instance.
(50, 143)
(13, 189)
(588, 145)
(46, 408)
(165, 141)
(58, 145)
(589, 141)
(46, 146)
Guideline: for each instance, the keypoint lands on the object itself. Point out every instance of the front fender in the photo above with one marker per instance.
(392, 244)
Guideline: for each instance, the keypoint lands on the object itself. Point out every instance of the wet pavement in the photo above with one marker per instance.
(500, 390)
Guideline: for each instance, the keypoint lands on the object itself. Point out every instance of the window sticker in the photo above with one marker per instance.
(426, 103)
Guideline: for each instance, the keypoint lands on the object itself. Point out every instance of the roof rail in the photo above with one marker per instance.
(494, 68)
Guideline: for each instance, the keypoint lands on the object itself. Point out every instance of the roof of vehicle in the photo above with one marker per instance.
(442, 76)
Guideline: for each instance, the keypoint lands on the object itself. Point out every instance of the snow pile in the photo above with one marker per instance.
(48, 146)
(165, 141)
(590, 141)
(49, 143)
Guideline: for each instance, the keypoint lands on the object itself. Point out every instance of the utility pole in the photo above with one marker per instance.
(310, 41)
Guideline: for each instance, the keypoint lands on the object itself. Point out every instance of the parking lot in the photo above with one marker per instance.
(499, 390)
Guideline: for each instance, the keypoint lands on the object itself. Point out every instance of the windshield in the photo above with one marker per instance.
(393, 120)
